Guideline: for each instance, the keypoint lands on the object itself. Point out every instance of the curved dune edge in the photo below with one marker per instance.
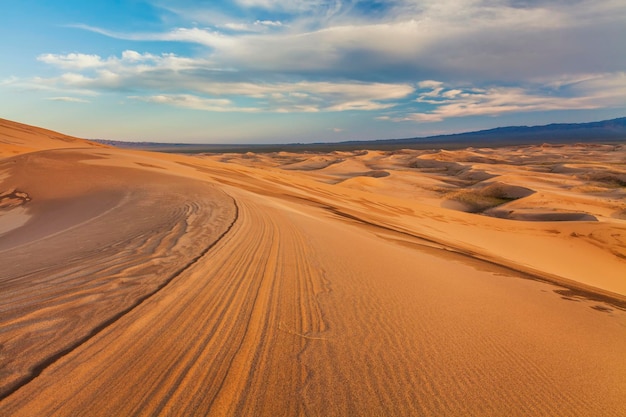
(540, 216)
(17, 138)
(577, 287)
(66, 295)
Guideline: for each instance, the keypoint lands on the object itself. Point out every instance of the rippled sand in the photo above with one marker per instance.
(476, 282)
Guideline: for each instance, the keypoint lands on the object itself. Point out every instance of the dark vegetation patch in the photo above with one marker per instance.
(13, 198)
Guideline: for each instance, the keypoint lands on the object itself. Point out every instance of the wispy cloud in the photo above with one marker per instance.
(128, 59)
(72, 61)
(478, 40)
(193, 102)
(463, 40)
(208, 37)
(133, 71)
(9, 81)
(295, 6)
(590, 92)
(170, 74)
(68, 99)
(256, 26)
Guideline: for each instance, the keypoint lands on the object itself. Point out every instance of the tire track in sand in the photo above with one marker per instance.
(44, 364)
(224, 338)
(252, 329)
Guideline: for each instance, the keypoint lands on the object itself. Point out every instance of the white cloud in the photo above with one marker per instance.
(291, 5)
(257, 26)
(9, 81)
(68, 99)
(272, 23)
(72, 61)
(591, 92)
(360, 105)
(241, 27)
(129, 58)
(74, 79)
(303, 97)
(438, 58)
(193, 102)
(39, 84)
(169, 75)
(205, 37)
(462, 40)
(430, 84)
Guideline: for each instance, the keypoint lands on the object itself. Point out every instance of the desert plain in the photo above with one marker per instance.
(468, 282)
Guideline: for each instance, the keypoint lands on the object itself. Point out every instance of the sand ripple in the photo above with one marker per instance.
(81, 262)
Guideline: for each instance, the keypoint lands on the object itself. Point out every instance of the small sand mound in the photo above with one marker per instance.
(433, 165)
(621, 214)
(541, 215)
(363, 178)
(477, 200)
(376, 174)
(605, 177)
(463, 156)
(506, 191)
(313, 163)
(475, 175)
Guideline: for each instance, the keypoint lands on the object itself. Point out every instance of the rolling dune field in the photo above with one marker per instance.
(475, 282)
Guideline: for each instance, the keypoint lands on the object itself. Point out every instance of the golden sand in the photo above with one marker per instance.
(446, 283)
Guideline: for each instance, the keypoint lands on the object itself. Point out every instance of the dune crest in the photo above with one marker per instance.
(17, 138)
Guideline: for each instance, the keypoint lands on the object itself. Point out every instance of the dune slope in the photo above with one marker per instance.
(96, 242)
(149, 284)
(17, 138)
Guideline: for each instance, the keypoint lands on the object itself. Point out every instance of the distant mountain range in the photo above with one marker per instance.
(606, 130)
(557, 133)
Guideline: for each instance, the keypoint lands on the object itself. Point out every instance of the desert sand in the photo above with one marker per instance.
(476, 282)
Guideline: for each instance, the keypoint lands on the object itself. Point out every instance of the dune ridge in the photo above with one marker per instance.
(281, 284)
(18, 138)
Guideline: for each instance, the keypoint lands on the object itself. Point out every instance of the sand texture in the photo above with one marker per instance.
(479, 282)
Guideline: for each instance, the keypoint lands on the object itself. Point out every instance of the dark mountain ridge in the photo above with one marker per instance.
(611, 130)
(606, 131)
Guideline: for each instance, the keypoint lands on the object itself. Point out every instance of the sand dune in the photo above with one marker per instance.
(17, 138)
(137, 283)
(558, 219)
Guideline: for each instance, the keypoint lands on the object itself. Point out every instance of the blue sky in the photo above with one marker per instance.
(270, 71)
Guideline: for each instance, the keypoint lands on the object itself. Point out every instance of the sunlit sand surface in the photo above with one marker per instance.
(478, 282)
